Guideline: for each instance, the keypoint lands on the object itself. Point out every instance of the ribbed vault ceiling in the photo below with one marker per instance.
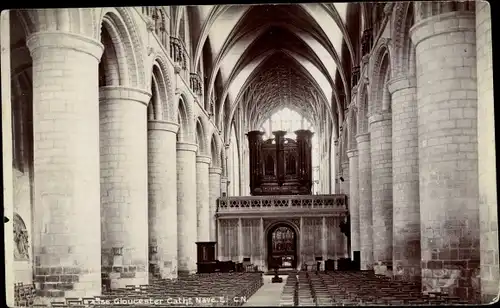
(278, 82)
(272, 56)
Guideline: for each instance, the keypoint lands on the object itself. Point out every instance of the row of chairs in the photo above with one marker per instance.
(349, 288)
(289, 294)
(202, 290)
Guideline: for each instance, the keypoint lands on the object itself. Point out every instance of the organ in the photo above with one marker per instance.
(280, 165)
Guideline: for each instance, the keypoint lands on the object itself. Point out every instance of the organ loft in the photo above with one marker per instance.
(292, 154)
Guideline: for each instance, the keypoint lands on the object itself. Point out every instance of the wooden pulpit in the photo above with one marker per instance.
(206, 257)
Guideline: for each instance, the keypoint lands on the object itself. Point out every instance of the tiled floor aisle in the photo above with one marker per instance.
(268, 295)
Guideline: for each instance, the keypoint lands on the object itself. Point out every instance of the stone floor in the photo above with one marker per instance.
(269, 294)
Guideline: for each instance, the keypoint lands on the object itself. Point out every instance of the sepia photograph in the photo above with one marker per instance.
(263, 154)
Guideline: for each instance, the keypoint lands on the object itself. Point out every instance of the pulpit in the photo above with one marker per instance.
(206, 257)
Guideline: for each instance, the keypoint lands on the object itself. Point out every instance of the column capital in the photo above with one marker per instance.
(336, 142)
(360, 138)
(400, 83)
(344, 165)
(163, 125)
(215, 170)
(379, 116)
(203, 159)
(187, 146)
(352, 153)
(445, 23)
(124, 93)
(64, 40)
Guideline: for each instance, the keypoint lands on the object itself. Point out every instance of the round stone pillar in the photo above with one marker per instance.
(203, 197)
(124, 185)
(214, 174)
(162, 201)
(490, 277)
(406, 205)
(354, 199)
(66, 232)
(448, 158)
(187, 231)
(381, 163)
(365, 201)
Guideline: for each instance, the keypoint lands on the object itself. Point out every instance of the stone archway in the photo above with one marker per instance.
(282, 246)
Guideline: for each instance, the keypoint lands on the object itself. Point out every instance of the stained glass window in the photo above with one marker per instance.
(283, 238)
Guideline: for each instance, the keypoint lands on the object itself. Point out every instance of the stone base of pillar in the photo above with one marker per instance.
(128, 276)
(187, 266)
(383, 269)
(168, 270)
(163, 269)
(403, 272)
(186, 273)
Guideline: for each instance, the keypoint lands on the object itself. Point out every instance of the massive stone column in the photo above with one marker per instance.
(187, 231)
(66, 235)
(202, 197)
(381, 163)
(124, 184)
(214, 174)
(365, 201)
(406, 205)
(486, 156)
(162, 184)
(448, 158)
(354, 199)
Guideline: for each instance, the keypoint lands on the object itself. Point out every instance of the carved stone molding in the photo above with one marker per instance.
(21, 240)
(150, 24)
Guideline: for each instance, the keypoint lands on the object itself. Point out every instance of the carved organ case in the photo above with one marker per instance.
(279, 165)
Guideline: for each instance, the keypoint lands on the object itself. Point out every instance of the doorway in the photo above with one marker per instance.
(282, 247)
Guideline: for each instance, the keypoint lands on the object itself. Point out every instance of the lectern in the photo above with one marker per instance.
(206, 257)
